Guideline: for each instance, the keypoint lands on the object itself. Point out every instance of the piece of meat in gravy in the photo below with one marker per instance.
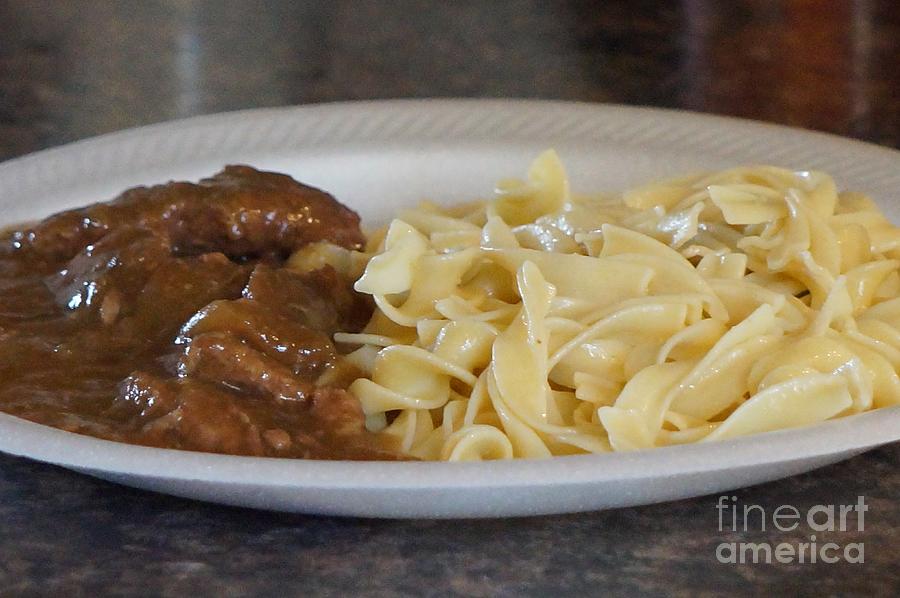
(177, 303)
(305, 351)
(221, 358)
(241, 212)
(130, 278)
(192, 414)
(322, 299)
(186, 414)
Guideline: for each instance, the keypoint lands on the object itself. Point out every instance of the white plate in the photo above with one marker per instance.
(378, 156)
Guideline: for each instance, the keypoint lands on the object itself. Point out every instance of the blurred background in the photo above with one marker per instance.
(75, 68)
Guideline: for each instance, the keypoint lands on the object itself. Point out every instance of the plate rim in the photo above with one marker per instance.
(878, 427)
(415, 114)
(215, 119)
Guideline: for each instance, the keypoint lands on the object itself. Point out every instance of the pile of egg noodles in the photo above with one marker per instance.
(542, 322)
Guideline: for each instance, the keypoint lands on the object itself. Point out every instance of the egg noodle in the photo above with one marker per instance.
(542, 322)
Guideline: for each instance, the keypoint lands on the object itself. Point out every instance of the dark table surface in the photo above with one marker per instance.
(73, 69)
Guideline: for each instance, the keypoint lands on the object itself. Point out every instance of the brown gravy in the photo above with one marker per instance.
(167, 317)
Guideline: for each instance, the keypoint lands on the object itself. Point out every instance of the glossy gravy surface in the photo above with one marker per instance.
(168, 317)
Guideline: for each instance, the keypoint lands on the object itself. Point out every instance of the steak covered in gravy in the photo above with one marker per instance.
(168, 317)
